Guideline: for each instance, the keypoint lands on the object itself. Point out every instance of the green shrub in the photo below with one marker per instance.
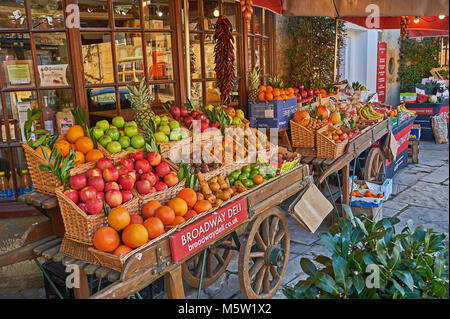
(412, 264)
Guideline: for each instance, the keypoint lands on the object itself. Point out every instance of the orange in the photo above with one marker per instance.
(79, 158)
(122, 250)
(136, 219)
(72, 146)
(257, 179)
(261, 96)
(190, 213)
(276, 92)
(62, 146)
(283, 96)
(84, 144)
(74, 133)
(269, 96)
(106, 239)
(178, 205)
(94, 156)
(269, 89)
(119, 218)
(202, 206)
(290, 91)
(189, 196)
(178, 220)
(278, 97)
(134, 235)
(290, 95)
(369, 194)
(282, 92)
(148, 210)
(380, 195)
(39, 151)
(154, 226)
(166, 214)
(262, 88)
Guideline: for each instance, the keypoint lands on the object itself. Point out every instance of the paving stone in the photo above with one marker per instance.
(431, 146)
(431, 195)
(428, 218)
(298, 249)
(438, 176)
(394, 204)
(446, 182)
(408, 178)
(388, 212)
(432, 157)
(224, 288)
(420, 168)
(397, 188)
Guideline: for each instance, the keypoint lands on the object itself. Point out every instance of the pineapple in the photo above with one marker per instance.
(253, 84)
(140, 99)
(276, 82)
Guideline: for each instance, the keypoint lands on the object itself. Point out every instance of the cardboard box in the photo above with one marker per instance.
(415, 132)
(375, 213)
(272, 114)
(376, 188)
(408, 97)
(393, 121)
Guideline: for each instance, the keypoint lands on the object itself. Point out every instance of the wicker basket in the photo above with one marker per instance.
(167, 146)
(301, 136)
(46, 182)
(115, 158)
(329, 149)
(367, 123)
(164, 195)
(81, 227)
(78, 251)
(307, 152)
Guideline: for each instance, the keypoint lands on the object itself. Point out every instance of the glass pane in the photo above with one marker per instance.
(257, 52)
(196, 93)
(52, 59)
(159, 56)
(61, 102)
(13, 14)
(229, 10)
(193, 15)
(130, 62)
(267, 24)
(250, 54)
(266, 57)
(102, 103)
(257, 15)
(162, 92)
(196, 58)
(17, 104)
(209, 57)
(212, 93)
(211, 12)
(156, 15)
(20, 164)
(97, 57)
(235, 94)
(47, 14)
(16, 60)
(93, 14)
(126, 13)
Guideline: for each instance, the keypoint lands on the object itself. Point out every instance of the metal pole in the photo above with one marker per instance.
(199, 292)
(187, 49)
(48, 279)
(335, 49)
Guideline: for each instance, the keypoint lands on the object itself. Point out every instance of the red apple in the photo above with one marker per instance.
(162, 169)
(183, 111)
(304, 94)
(171, 179)
(151, 177)
(95, 172)
(133, 174)
(110, 174)
(154, 158)
(78, 181)
(175, 112)
(97, 182)
(137, 155)
(126, 182)
(230, 111)
(82, 206)
(73, 195)
(143, 187)
(160, 186)
(214, 125)
(127, 163)
(104, 163)
(87, 193)
(126, 196)
(188, 120)
(101, 195)
(111, 186)
(194, 114)
(122, 170)
(94, 206)
(142, 166)
(113, 198)
(301, 87)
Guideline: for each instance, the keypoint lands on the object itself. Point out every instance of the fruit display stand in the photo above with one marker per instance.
(266, 230)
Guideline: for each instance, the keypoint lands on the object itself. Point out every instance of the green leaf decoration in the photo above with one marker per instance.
(308, 267)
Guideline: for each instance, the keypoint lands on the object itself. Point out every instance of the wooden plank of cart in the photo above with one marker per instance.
(263, 253)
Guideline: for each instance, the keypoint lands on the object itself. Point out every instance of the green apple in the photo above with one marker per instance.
(175, 135)
(131, 131)
(103, 125)
(124, 141)
(122, 133)
(113, 133)
(165, 118)
(157, 119)
(129, 148)
(118, 121)
(236, 121)
(114, 147)
(105, 140)
(97, 132)
(131, 123)
(174, 124)
(160, 137)
(137, 141)
(184, 134)
(240, 114)
(165, 129)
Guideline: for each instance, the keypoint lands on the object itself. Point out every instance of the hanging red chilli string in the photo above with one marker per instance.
(247, 10)
(404, 21)
(224, 58)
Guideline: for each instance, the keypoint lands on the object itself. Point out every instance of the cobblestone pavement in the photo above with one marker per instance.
(420, 193)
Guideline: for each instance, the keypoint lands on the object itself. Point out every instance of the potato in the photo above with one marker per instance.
(214, 187)
(200, 196)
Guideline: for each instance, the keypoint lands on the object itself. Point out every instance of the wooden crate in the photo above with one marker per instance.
(413, 151)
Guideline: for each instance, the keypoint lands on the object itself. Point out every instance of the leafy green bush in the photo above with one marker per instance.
(412, 264)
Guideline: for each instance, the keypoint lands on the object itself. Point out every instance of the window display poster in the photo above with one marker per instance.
(18, 74)
(53, 74)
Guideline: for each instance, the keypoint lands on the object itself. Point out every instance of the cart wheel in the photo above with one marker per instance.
(264, 255)
(374, 170)
(217, 259)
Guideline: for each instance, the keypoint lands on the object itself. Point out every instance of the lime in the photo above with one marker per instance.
(105, 140)
(97, 132)
(244, 176)
(137, 141)
(174, 124)
(131, 123)
(103, 125)
(113, 133)
(271, 175)
(255, 167)
(129, 148)
(118, 121)
(231, 180)
(165, 129)
(122, 133)
(131, 131)
(114, 147)
(236, 121)
(160, 137)
(124, 141)
(253, 174)
(248, 183)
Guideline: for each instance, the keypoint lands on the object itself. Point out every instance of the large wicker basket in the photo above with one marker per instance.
(327, 148)
(115, 158)
(301, 136)
(167, 146)
(46, 182)
(164, 195)
(77, 250)
(81, 227)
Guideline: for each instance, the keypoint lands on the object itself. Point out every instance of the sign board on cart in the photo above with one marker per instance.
(381, 71)
(199, 234)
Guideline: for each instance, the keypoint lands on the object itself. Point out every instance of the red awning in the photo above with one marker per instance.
(427, 33)
(272, 5)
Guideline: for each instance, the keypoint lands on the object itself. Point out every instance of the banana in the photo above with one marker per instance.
(375, 114)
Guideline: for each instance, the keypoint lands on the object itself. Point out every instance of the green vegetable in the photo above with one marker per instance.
(246, 169)
(232, 181)
(235, 174)
(248, 183)
(244, 176)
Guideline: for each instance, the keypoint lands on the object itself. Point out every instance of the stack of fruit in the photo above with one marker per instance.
(229, 150)
(168, 129)
(335, 135)
(307, 95)
(367, 193)
(285, 160)
(368, 113)
(214, 191)
(305, 119)
(402, 109)
(251, 175)
(269, 93)
(119, 136)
